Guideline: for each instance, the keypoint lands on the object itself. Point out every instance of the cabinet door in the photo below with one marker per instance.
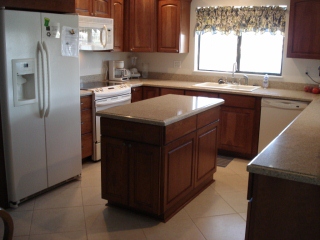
(102, 8)
(117, 13)
(304, 29)
(164, 91)
(207, 145)
(86, 121)
(168, 26)
(201, 94)
(179, 160)
(144, 177)
(142, 26)
(114, 170)
(86, 145)
(136, 94)
(84, 7)
(150, 92)
(61, 6)
(236, 135)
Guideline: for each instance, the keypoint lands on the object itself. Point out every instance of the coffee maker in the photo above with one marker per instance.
(117, 72)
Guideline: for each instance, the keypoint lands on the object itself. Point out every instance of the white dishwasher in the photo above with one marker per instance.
(276, 115)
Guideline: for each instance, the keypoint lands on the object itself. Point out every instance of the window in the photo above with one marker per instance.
(254, 53)
(251, 36)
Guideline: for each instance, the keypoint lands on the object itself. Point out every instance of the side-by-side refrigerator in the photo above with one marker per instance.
(40, 101)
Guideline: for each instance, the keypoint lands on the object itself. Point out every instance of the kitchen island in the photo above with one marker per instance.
(160, 153)
(284, 183)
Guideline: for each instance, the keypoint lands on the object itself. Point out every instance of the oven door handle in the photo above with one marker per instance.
(121, 99)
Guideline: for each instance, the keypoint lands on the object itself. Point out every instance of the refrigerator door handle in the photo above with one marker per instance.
(48, 76)
(41, 83)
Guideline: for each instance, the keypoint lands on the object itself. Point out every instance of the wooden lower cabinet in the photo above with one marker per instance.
(158, 169)
(239, 128)
(136, 94)
(282, 209)
(86, 126)
(164, 91)
(150, 92)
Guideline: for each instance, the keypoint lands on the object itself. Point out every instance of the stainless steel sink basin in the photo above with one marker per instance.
(231, 87)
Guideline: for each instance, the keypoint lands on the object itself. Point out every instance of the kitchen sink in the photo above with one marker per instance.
(242, 88)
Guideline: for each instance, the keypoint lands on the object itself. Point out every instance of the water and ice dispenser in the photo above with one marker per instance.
(24, 81)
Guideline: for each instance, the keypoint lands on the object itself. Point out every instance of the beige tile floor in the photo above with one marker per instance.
(76, 211)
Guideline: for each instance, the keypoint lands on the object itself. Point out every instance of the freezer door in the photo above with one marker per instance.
(24, 129)
(62, 123)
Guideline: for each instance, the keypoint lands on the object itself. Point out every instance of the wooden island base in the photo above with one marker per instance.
(157, 169)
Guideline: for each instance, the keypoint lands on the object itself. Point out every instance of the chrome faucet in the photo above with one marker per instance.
(246, 79)
(234, 69)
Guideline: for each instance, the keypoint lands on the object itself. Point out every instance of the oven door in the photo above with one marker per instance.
(100, 105)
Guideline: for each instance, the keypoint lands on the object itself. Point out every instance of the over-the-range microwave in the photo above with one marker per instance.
(95, 34)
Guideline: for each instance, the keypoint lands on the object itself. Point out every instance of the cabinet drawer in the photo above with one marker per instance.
(132, 131)
(87, 145)
(238, 101)
(208, 117)
(86, 121)
(86, 102)
(181, 128)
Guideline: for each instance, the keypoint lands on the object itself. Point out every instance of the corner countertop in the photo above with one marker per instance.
(163, 110)
(295, 153)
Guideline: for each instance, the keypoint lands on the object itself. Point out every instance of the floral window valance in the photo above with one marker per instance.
(240, 19)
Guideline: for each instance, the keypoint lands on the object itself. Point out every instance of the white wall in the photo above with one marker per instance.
(293, 69)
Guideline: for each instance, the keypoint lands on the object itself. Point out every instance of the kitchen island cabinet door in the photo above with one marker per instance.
(144, 177)
(150, 92)
(114, 170)
(179, 162)
(206, 159)
(304, 29)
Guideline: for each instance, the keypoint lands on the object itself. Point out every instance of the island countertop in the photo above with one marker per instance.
(163, 110)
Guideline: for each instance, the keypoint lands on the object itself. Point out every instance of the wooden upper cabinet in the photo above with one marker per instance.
(59, 6)
(304, 29)
(96, 8)
(141, 26)
(173, 26)
(117, 13)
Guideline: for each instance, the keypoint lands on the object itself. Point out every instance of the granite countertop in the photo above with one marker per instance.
(295, 153)
(163, 110)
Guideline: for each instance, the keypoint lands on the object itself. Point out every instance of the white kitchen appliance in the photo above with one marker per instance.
(40, 101)
(104, 98)
(95, 34)
(276, 115)
(117, 72)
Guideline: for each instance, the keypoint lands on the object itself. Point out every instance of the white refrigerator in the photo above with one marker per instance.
(40, 101)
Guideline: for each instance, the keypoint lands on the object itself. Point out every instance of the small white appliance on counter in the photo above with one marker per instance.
(40, 101)
(95, 34)
(117, 72)
(276, 115)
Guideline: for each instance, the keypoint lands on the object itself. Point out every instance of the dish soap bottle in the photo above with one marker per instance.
(265, 83)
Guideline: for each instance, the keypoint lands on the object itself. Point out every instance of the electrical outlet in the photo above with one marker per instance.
(177, 64)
